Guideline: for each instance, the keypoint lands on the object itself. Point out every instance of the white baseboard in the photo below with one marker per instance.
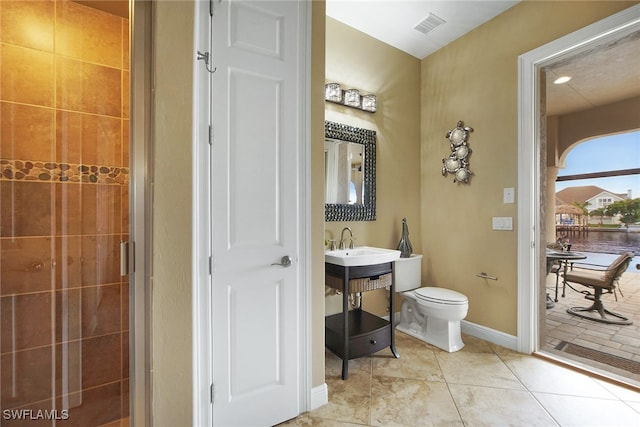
(484, 333)
(488, 334)
(319, 396)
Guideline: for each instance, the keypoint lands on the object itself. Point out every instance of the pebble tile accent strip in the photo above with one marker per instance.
(26, 170)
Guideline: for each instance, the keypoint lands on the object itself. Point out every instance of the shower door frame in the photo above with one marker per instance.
(140, 202)
(139, 229)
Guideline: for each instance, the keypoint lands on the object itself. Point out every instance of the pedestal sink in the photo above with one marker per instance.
(362, 255)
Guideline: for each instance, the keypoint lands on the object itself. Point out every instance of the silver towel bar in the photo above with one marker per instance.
(486, 276)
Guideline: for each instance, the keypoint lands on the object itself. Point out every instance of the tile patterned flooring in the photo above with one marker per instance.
(480, 385)
(618, 340)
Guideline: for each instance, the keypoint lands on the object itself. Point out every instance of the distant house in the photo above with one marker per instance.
(595, 197)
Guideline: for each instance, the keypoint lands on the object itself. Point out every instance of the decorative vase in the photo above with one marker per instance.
(405, 244)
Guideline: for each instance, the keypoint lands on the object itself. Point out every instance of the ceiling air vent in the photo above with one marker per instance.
(429, 24)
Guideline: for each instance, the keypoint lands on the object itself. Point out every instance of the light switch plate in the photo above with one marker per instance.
(509, 195)
(502, 223)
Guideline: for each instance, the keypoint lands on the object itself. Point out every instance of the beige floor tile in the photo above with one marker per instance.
(543, 376)
(307, 420)
(418, 362)
(406, 402)
(622, 393)
(333, 365)
(481, 385)
(407, 341)
(586, 411)
(634, 405)
(349, 400)
(500, 350)
(477, 369)
(485, 406)
(475, 345)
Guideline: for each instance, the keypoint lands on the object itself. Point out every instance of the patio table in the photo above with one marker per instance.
(564, 258)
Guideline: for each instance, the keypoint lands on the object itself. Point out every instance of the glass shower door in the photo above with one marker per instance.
(64, 176)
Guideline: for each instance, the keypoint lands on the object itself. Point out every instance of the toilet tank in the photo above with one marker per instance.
(407, 273)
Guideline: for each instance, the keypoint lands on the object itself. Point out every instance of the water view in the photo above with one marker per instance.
(607, 242)
(602, 247)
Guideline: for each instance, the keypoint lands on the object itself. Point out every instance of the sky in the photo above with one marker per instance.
(602, 154)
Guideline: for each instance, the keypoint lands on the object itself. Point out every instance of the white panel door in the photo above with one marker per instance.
(257, 110)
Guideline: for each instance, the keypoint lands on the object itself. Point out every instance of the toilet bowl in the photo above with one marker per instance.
(431, 314)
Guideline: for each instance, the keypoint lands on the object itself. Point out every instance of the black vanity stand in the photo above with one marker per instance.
(356, 333)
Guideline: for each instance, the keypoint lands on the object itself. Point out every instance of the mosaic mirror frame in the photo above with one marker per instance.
(367, 210)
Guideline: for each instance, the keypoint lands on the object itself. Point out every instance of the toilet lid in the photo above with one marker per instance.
(441, 295)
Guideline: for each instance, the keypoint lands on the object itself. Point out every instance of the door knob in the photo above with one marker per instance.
(285, 261)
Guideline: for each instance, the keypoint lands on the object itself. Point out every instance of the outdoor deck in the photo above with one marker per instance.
(620, 345)
(571, 228)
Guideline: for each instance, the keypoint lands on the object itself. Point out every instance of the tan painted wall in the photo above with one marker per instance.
(475, 79)
(171, 309)
(356, 60)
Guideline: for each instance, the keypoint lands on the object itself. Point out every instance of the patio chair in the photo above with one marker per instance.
(600, 279)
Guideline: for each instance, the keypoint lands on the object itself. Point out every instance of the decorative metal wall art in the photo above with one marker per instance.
(457, 163)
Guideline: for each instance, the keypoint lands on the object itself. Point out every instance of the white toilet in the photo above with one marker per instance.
(430, 314)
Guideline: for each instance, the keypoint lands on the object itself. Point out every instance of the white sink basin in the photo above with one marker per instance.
(362, 255)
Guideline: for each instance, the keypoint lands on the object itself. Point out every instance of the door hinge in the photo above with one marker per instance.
(211, 391)
(210, 265)
(210, 135)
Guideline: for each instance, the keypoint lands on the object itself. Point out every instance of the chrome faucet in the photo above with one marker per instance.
(342, 245)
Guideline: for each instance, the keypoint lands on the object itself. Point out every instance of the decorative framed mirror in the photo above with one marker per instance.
(350, 173)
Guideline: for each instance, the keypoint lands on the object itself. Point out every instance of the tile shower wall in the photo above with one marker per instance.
(64, 117)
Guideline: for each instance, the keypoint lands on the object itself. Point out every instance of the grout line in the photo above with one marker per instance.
(448, 388)
(531, 393)
(454, 402)
(544, 408)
